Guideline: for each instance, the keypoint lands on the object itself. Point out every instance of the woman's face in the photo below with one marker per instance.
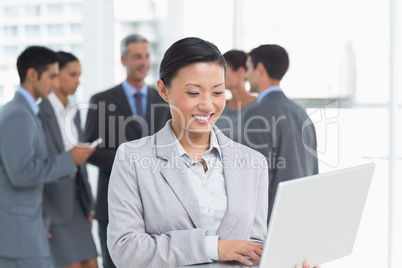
(234, 79)
(196, 97)
(69, 78)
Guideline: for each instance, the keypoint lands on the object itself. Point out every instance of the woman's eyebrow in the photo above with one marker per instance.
(192, 84)
(196, 85)
(218, 85)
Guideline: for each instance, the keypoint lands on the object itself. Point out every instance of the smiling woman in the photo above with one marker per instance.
(199, 205)
(196, 99)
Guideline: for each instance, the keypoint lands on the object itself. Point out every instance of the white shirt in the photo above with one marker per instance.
(210, 190)
(65, 117)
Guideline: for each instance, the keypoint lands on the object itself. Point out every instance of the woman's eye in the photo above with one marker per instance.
(192, 93)
(218, 93)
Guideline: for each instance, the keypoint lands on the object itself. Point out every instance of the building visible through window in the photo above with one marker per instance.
(32, 30)
(10, 11)
(10, 31)
(32, 10)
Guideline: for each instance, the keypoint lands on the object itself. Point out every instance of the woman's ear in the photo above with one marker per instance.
(163, 90)
(241, 71)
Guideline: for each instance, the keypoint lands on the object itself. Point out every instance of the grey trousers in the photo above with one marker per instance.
(25, 263)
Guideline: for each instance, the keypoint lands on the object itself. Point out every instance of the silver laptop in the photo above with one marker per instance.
(314, 218)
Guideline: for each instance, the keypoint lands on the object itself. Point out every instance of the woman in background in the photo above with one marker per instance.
(68, 202)
(231, 122)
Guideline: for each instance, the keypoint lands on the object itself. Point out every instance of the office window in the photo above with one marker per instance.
(76, 8)
(10, 31)
(331, 52)
(10, 51)
(76, 49)
(56, 47)
(55, 9)
(217, 29)
(10, 11)
(32, 30)
(76, 28)
(129, 27)
(32, 10)
(55, 29)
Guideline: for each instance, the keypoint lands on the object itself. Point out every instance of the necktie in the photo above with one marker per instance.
(138, 103)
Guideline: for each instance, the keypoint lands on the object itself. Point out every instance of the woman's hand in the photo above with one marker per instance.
(236, 250)
(306, 264)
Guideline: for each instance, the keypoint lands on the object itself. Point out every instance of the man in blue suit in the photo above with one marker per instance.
(25, 166)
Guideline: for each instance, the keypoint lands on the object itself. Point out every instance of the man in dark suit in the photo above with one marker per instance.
(25, 166)
(277, 127)
(126, 112)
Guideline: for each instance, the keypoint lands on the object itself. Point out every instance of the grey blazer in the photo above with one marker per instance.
(288, 131)
(24, 169)
(60, 195)
(154, 213)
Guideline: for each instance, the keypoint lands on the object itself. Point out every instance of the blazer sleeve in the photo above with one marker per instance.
(259, 229)
(20, 153)
(127, 237)
(103, 156)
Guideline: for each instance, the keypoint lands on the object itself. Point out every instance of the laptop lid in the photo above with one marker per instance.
(316, 217)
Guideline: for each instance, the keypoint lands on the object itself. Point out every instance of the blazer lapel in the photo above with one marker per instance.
(36, 118)
(150, 101)
(50, 124)
(77, 123)
(183, 190)
(174, 173)
(121, 102)
(233, 169)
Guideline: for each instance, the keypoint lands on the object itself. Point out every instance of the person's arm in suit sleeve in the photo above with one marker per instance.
(259, 230)
(22, 165)
(127, 239)
(104, 155)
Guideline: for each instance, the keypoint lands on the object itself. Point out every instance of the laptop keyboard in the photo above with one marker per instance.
(255, 264)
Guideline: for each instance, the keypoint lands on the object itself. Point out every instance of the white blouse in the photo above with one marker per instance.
(210, 190)
(65, 117)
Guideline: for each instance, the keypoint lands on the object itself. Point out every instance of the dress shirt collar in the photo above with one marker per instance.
(57, 104)
(267, 91)
(129, 90)
(213, 147)
(30, 99)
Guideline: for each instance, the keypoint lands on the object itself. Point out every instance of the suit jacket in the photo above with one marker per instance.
(60, 195)
(288, 131)
(154, 213)
(111, 118)
(24, 169)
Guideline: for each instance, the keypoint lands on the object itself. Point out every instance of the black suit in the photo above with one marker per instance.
(111, 119)
(287, 131)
